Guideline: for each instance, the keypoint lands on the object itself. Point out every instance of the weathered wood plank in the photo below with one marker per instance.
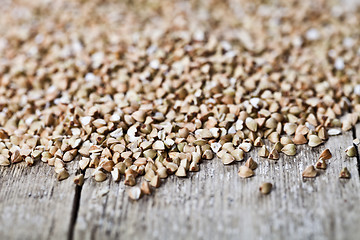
(33, 204)
(215, 203)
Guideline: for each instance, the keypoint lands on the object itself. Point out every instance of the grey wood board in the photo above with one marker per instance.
(33, 203)
(215, 203)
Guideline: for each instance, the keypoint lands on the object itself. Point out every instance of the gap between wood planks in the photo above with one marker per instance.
(353, 129)
(356, 149)
(75, 208)
(78, 189)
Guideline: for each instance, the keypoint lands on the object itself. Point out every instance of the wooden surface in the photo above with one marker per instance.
(215, 203)
(33, 204)
(211, 204)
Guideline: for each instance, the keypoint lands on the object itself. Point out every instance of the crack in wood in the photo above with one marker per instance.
(75, 209)
(353, 129)
(356, 149)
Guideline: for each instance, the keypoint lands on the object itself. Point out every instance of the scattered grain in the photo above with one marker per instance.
(265, 188)
(245, 172)
(350, 151)
(344, 173)
(309, 172)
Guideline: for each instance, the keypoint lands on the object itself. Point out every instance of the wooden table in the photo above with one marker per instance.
(211, 204)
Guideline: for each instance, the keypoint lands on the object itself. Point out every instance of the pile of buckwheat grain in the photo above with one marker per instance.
(148, 89)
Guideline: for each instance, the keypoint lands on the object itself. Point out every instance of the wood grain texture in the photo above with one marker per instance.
(216, 204)
(33, 204)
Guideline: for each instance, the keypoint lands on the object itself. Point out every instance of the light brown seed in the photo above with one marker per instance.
(85, 120)
(4, 161)
(344, 173)
(215, 146)
(159, 145)
(150, 173)
(245, 172)
(274, 137)
(238, 154)
(309, 172)
(25, 152)
(58, 163)
(250, 163)
(299, 139)
(130, 179)
(203, 134)
(227, 158)
(29, 161)
(121, 166)
(323, 133)
(63, 174)
(289, 149)
(194, 167)
(36, 154)
(185, 162)
(278, 146)
(251, 124)
(274, 154)
(285, 141)
(99, 175)
(245, 146)
(115, 174)
(139, 116)
(150, 153)
(69, 155)
(196, 157)
(172, 167)
(181, 172)
(145, 188)
(215, 132)
(334, 131)
(155, 181)
(183, 132)
(314, 141)
(221, 153)
(118, 148)
(265, 188)
(302, 130)
(208, 154)
(325, 155)
(271, 123)
(107, 165)
(162, 172)
(98, 123)
(258, 142)
(79, 179)
(84, 162)
(321, 164)
(228, 147)
(346, 125)
(263, 152)
(51, 162)
(350, 151)
(134, 193)
(290, 128)
(16, 157)
(106, 153)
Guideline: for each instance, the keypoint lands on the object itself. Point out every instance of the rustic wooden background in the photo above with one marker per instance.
(211, 204)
